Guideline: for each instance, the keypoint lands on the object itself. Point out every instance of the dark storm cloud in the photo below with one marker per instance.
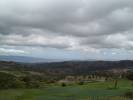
(71, 24)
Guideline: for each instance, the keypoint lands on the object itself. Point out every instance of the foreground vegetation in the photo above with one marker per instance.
(88, 91)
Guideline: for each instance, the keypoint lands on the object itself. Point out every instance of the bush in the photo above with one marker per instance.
(30, 82)
(129, 94)
(8, 80)
(18, 84)
(130, 76)
(81, 83)
(63, 84)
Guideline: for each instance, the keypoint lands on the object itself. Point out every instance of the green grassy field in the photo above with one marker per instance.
(73, 92)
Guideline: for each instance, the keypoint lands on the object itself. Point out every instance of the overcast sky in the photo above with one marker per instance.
(67, 29)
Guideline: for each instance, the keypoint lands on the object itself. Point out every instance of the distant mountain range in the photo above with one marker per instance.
(26, 59)
(70, 67)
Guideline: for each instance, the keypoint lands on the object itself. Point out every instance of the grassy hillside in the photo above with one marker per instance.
(73, 92)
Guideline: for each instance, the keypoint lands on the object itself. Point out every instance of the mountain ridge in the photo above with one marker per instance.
(25, 59)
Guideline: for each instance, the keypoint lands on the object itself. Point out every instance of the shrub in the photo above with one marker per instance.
(8, 80)
(129, 94)
(30, 82)
(63, 84)
(130, 76)
(81, 83)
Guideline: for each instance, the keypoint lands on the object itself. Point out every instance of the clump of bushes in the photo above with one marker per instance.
(129, 76)
(81, 83)
(63, 84)
(8, 80)
(129, 94)
(30, 82)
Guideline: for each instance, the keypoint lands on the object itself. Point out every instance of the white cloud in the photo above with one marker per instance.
(11, 51)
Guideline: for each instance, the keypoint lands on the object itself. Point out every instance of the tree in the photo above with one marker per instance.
(30, 82)
(115, 84)
(130, 76)
(9, 81)
(116, 77)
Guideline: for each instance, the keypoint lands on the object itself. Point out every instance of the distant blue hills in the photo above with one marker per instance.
(25, 59)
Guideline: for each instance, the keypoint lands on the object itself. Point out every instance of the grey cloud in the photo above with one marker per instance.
(89, 23)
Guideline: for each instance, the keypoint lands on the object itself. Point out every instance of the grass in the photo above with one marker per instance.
(74, 92)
